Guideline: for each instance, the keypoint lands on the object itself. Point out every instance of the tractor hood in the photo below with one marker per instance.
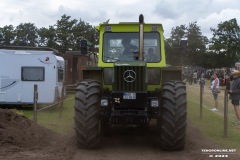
(130, 76)
(130, 63)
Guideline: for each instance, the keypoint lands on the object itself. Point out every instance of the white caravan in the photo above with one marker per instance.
(20, 70)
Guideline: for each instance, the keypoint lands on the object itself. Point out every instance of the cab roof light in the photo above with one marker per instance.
(107, 28)
(154, 28)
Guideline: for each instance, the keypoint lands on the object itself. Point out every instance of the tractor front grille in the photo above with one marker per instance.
(129, 78)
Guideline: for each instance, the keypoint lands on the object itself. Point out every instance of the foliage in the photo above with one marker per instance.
(7, 35)
(191, 54)
(65, 35)
(172, 45)
(26, 35)
(47, 37)
(196, 44)
(223, 49)
(225, 42)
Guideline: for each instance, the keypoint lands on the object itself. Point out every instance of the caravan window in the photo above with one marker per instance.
(60, 75)
(33, 73)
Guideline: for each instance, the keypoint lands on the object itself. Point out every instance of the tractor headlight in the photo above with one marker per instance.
(154, 103)
(108, 75)
(153, 75)
(104, 102)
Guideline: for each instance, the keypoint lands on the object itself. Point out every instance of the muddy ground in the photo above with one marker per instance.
(21, 139)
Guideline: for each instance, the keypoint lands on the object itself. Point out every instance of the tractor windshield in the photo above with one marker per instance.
(124, 47)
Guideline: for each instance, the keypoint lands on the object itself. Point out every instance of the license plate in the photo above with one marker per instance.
(129, 95)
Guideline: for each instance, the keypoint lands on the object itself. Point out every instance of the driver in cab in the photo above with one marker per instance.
(128, 47)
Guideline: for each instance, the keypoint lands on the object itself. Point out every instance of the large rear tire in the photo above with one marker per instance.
(87, 114)
(174, 116)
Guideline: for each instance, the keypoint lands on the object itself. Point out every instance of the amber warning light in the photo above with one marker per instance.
(47, 59)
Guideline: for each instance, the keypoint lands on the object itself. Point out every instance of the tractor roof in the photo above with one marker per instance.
(129, 27)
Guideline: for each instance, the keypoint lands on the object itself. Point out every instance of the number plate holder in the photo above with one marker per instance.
(129, 95)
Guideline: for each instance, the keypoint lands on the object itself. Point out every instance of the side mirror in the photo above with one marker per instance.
(83, 46)
(183, 46)
(183, 43)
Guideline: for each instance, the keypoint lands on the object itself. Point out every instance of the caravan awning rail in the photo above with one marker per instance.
(30, 48)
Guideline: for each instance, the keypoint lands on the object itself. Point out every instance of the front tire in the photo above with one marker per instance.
(87, 114)
(174, 116)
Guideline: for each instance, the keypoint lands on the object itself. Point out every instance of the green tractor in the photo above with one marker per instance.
(131, 84)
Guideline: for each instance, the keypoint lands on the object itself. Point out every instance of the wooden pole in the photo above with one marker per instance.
(225, 113)
(35, 99)
(62, 99)
(201, 97)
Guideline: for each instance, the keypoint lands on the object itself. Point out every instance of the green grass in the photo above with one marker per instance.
(25, 111)
(51, 117)
(212, 123)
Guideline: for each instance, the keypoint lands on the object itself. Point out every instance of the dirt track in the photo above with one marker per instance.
(22, 140)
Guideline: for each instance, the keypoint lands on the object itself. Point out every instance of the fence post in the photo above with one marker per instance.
(35, 99)
(61, 103)
(201, 97)
(225, 113)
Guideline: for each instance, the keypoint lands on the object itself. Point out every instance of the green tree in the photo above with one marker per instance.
(226, 43)
(26, 35)
(85, 31)
(192, 54)
(69, 33)
(7, 35)
(47, 37)
(64, 33)
(172, 45)
(196, 45)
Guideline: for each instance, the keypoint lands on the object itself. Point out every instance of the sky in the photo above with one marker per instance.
(171, 13)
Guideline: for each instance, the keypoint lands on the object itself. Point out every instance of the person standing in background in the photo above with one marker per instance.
(235, 94)
(202, 81)
(227, 82)
(195, 77)
(215, 91)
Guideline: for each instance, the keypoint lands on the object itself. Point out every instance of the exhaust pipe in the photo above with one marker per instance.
(141, 31)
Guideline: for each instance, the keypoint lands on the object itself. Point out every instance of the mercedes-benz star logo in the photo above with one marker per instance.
(129, 76)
